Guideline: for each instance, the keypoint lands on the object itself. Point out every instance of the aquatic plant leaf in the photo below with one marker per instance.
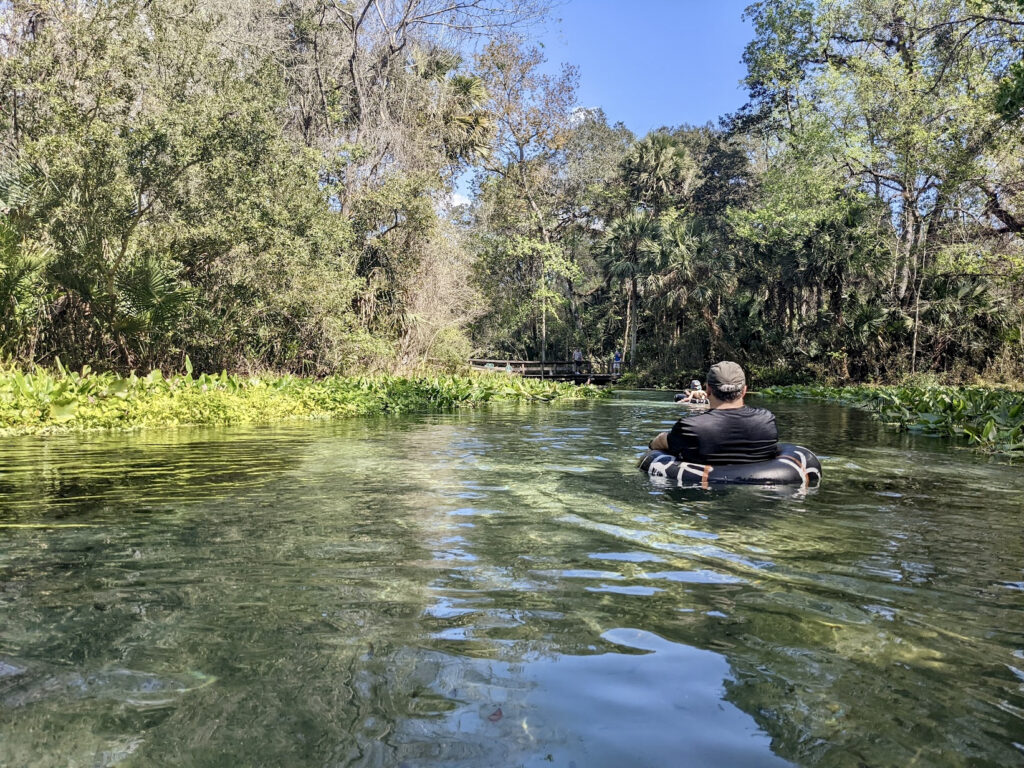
(64, 411)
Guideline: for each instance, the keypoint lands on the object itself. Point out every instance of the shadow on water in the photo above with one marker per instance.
(503, 587)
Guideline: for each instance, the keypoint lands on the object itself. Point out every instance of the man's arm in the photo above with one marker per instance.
(682, 441)
(659, 443)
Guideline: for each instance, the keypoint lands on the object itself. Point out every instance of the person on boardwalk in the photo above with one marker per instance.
(577, 361)
(617, 362)
(730, 432)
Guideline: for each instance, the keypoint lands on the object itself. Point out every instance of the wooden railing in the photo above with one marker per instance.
(549, 369)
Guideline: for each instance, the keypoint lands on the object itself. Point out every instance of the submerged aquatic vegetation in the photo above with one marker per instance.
(43, 401)
(991, 419)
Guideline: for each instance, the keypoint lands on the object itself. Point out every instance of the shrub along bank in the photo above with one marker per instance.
(991, 419)
(42, 401)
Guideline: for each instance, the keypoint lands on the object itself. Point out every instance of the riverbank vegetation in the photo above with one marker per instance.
(860, 219)
(41, 401)
(990, 419)
(267, 186)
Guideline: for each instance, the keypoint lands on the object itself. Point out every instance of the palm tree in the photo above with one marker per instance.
(695, 274)
(22, 259)
(470, 125)
(467, 126)
(659, 172)
(632, 250)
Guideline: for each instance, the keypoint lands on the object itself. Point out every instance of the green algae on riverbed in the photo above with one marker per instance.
(42, 402)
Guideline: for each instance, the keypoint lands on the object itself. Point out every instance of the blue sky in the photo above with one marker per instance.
(650, 63)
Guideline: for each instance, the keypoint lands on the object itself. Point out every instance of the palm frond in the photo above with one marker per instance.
(150, 296)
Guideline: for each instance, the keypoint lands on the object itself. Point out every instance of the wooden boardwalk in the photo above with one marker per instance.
(594, 372)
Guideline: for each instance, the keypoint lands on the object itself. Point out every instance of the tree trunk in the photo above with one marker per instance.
(629, 317)
(836, 302)
(920, 265)
(913, 345)
(636, 323)
(908, 261)
(543, 327)
(575, 320)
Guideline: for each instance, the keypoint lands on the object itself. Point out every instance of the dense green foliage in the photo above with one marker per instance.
(991, 419)
(254, 184)
(41, 401)
(269, 186)
(860, 219)
(1010, 93)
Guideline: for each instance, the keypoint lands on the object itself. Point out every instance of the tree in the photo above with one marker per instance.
(658, 173)
(632, 251)
(259, 189)
(532, 114)
(905, 88)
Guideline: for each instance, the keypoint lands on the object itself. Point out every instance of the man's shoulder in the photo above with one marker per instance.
(762, 412)
(697, 420)
(696, 417)
(715, 414)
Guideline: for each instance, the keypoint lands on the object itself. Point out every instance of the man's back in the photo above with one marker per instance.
(726, 436)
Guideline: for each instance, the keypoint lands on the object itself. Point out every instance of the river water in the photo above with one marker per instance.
(502, 588)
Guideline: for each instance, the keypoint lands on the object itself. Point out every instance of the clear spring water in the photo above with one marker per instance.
(503, 588)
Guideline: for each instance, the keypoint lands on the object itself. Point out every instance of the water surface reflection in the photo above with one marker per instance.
(502, 588)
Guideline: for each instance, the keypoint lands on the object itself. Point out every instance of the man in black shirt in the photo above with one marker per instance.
(730, 432)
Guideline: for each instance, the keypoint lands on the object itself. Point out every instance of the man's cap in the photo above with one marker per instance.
(726, 376)
(694, 384)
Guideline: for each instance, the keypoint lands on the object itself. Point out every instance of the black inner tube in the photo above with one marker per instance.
(793, 465)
